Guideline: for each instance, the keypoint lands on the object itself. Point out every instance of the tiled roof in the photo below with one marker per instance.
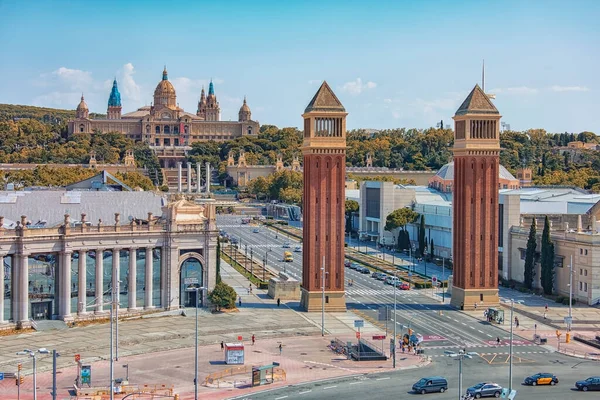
(325, 100)
(477, 102)
(447, 173)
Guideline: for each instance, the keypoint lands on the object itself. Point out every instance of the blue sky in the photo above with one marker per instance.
(391, 63)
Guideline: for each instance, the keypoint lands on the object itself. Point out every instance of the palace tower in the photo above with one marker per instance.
(324, 150)
(475, 201)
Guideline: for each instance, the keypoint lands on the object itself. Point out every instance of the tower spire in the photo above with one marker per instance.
(165, 75)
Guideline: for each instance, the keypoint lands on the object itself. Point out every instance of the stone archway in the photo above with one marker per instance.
(191, 274)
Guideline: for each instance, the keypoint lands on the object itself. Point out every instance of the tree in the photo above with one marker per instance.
(222, 296)
(422, 242)
(529, 271)
(218, 266)
(431, 251)
(547, 259)
(399, 218)
(351, 206)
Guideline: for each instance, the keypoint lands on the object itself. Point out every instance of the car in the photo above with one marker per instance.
(485, 389)
(255, 230)
(234, 240)
(382, 277)
(391, 280)
(286, 245)
(364, 270)
(541, 378)
(430, 385)
(347, 263)
(591, 383)
(298, 249)
(355, 266)
(404, 286)
(375, 275)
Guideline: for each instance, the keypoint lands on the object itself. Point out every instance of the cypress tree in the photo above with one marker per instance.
(529, 272)
(547, 260)
(431, 253)
(422, 236)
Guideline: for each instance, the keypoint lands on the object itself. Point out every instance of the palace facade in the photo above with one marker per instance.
(164, 124)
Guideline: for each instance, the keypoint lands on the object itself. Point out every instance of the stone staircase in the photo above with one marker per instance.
(170, 179)
(49, 325)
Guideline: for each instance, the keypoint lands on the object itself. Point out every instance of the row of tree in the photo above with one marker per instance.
(546, 258)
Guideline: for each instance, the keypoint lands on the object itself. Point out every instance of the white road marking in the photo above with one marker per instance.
(479, 331)
(306, 391)
(355, 383)
(382, 379)
(463, 323)
(325, 388)
(282, 397)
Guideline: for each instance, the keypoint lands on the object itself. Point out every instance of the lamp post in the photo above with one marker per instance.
(512, 306)
(570, 293)
(251, 264)
(443, 289)
(394, 340)
(265, 263)
(32, 354)
(383, 247)
(460, 356)
(323, 272)
(394, 251)
(197, 291)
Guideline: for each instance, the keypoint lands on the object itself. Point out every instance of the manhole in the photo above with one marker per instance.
(303, 354)
(178, 366)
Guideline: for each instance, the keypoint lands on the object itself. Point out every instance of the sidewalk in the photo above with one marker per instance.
(159, 350)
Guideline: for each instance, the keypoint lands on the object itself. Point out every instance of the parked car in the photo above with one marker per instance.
(255, 230)
(541, 378)
(355, 266)
(347, 263)
(364, 270)
(592, 383)
(485, 389)
(404, 286)
(286, 245)
(382, 277)
(430, 385)
(375, 275)
(392, 280)
(298, 249)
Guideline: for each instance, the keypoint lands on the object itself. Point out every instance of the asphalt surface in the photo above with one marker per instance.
(444, 330)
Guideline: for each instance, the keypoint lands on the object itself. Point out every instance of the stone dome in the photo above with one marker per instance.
(244, 107)
(447, 172)
(82, 105)
(164, 94)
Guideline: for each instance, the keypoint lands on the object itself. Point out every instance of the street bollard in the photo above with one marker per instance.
(568, 337)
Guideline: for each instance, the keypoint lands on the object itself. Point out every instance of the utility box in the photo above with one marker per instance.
(234, 353)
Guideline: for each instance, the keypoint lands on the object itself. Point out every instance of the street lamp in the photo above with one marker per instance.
(197, 290)
(570, 294)
(265, 263)
(383, 247)
(394, 340)
(323, 273)
(460, 357)
(32, 354)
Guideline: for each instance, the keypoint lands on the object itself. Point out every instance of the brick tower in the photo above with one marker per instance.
(475, 203)
(324, 151)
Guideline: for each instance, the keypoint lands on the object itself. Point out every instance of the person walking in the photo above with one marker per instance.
(280, 348)
(498, 341)
(239, 301)
(253, 339)
(278, 302)
(222, 346)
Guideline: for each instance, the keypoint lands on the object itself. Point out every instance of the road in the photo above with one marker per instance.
(398, 384)
(443, 328)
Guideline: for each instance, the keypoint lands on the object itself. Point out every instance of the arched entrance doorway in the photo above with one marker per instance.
(191, 276)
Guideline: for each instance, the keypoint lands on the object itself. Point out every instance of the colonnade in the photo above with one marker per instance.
(189, 178)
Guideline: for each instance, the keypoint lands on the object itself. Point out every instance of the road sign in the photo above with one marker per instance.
(77, 357)
(1, 376)
(378, 337)
(568, 320)
(512, 394)
(240, 338)
(384, 314)
(358, 335)
(359, 323)
(434, 280)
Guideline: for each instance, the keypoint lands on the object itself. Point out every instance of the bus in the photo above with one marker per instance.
(287, 256)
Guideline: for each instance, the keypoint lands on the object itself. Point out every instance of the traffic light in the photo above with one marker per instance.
(19, 381)
(19, 367)
(176, 397)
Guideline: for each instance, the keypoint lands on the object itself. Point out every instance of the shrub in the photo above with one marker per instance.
(560, 299)
(222, 296)
(164, 188)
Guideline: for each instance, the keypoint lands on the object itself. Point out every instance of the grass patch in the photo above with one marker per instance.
(239, 268)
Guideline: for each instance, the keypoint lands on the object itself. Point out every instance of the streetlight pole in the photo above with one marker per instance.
(197, 290)
(111, 371)
(570, 293)
(323, 298)
(394, 339)
(443, 289)
(383, 247)
(512, 306)
(54, 356)
(460, 356)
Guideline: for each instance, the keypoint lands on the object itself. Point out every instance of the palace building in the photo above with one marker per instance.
(164, 124)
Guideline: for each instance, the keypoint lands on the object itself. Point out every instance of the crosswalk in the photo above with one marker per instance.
(387, 290)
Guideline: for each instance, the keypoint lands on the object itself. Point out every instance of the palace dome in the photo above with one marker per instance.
(82, 105)
(447, 172)
(244, 107)
(164, 94)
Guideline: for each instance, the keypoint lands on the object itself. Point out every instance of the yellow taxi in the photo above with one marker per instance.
(541, 378)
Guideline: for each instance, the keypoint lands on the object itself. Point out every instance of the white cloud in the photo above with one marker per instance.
(514, 90)
(357, 86)
(557, 88)
(184, 85)
(387, 100)
(72, 79)
(127, 84)
(314, 81)
(68, 100)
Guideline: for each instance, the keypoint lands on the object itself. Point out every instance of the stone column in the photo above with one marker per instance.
(132, 288)
(198, 175)
(1, 287)
(148, 291)
(116, 264)
(163, 278)
(64, 276)
(22, 306)
(179, 177)
(189, 178)
(207, 177)
(82, 300)
(99, 280)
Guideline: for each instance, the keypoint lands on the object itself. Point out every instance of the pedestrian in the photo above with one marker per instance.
(544, 314)
(517, 321)
(280, 348)
(240, 301)
(546, 308)
(402, 348)
(278, 302)
(222, 346)
(253, 339)
(498, 341)
(248, 290)
(475, 305)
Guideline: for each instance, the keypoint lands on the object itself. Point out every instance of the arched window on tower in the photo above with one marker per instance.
(147, 128)
(176, 129)
(167, 129)
(249, 130)
(81, 128)
(157, 130)
(186, 129)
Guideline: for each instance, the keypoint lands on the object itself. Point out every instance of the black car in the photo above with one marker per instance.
(365, 270)
(592, 383)
(541, 378)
